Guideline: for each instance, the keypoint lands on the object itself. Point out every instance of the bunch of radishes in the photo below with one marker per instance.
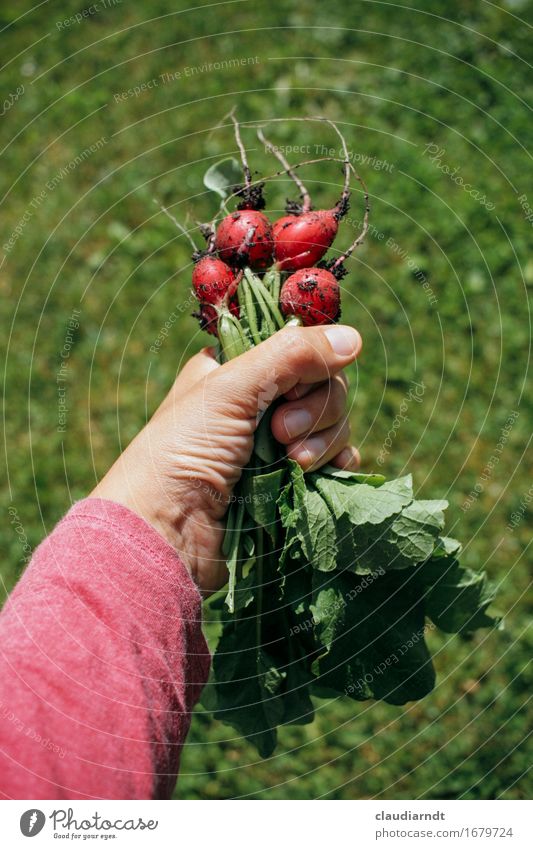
(281, 261)
(300, 547)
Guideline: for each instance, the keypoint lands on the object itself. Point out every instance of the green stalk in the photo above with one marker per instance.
(271, 304)
(271, 281)
(276, 286)
(259, 562)
(264, 445)
(268, 278)
(244, 342)
(234, 557)
(268, 328)
(267, 325)
(231, 336)
(230, 530)
(250, 310)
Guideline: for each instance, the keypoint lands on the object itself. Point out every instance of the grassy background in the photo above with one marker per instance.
(396, 79)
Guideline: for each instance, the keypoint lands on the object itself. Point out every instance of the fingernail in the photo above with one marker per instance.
(297, 422)
(344, 340)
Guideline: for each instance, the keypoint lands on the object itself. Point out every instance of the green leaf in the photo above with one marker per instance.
(329, 609)
(447, 547)
(373, 636)
(402, 541)
(361, 569)
(365, 504)
(224, 177)
(247, 686)
(353, 477)
(459, 600)
(260, 494)
(244, 591)
(208, 698)
(317, 532)
(306, 513)
(296, 588)
(298, 708)
(423, 515)
(270, 684)
(291, 499)
(248, 543)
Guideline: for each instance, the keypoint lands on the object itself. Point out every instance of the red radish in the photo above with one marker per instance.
(301, 241)
(213, 281)
(302, 237)
(207, 315)
(245, 238)
(215, 286)
(312, 294)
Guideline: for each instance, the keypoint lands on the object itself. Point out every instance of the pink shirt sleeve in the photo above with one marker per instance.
(101, 661)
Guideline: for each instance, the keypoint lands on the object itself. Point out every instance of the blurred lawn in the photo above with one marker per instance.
(396, 80)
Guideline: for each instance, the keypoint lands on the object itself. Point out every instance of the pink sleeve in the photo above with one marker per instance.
(101, 661)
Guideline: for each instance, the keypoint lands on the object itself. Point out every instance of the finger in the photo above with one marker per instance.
(314, 451)
(293, 355)
(318, 410)
(300, 391)
(303, 389)
(349, 459)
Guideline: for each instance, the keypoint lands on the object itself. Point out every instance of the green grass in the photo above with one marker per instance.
(397, 80)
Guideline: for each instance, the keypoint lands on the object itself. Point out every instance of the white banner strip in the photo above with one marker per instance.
(357, 824)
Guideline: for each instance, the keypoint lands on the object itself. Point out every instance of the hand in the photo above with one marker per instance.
(179, 472)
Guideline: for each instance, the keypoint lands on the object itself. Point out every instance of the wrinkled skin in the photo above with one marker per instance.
(179, 471)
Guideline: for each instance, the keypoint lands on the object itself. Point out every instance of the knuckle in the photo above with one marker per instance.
(295, 343)
(340, 393)
(290, 338)
(334, 403)
(346, 429)
(344, 379)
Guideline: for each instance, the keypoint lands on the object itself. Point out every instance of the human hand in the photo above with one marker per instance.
(179, 471)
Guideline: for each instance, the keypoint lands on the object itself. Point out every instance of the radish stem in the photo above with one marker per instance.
(175, 221)
(304, 194)
(271, 303)
(231, 336)
(364, 228)
(233, 558)
(242, 151)
(343, 203)
(250, 310)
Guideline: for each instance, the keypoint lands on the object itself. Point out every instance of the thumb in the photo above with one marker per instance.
(195, 369)
(190, 375)
(294, 355)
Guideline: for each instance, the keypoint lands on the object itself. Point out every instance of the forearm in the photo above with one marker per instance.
(101, 661)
